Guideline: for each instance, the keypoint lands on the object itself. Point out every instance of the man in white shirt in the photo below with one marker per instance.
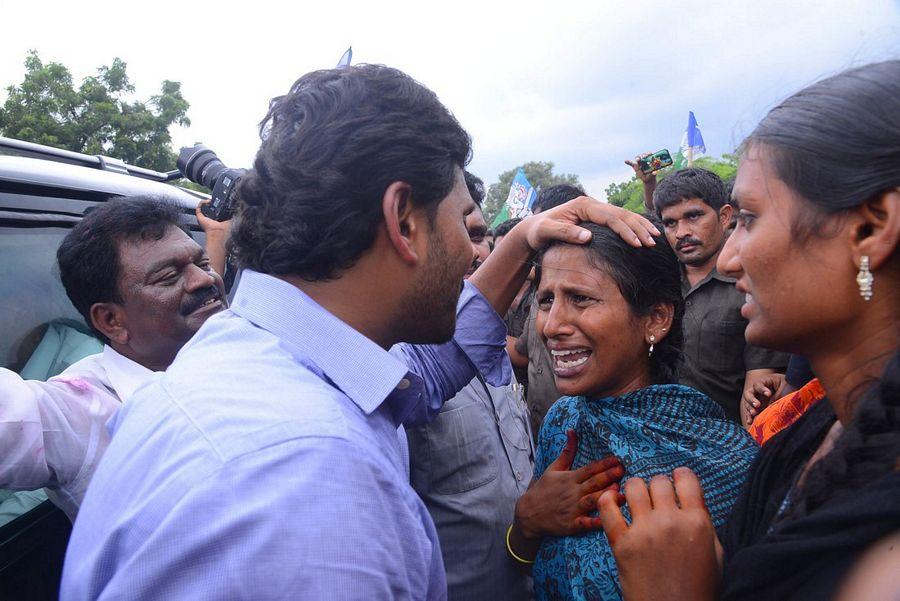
(145, 287)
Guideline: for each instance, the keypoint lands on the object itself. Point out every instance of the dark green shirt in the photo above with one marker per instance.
(716, 356)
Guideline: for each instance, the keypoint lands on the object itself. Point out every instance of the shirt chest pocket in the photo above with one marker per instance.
(461, 445)
(723, 344)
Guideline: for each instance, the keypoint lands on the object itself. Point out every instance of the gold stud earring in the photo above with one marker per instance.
(865, 278)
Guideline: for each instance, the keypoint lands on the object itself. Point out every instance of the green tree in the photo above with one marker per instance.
(539, 174)
(96, 118)
(630, 194)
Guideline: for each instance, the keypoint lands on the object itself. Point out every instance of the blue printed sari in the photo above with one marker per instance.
(652, 430)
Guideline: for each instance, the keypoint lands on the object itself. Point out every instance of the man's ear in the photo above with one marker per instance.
(400, 219)
(877, 231)
(109, 320)
(659, 321)
(725, 215)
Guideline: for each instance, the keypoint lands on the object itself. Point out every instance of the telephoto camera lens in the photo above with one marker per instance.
(201, 165)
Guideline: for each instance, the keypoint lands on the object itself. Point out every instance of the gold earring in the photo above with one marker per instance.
(865, 278)
(652, 340)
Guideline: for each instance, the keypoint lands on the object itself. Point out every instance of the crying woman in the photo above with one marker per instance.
(610, 315)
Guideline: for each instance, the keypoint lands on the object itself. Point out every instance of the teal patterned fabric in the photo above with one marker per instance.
(653, 431)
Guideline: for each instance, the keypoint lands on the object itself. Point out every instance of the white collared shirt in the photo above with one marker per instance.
(53, 433)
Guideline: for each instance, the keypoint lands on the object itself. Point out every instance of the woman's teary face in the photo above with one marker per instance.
(597, 345)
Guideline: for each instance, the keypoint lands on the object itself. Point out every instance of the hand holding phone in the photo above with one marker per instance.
(654, 162)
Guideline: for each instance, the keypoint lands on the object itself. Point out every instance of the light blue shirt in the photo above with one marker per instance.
(265, 463)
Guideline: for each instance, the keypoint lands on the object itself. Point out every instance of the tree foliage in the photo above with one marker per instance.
(539, 174)
(98, 117)
(630, 194)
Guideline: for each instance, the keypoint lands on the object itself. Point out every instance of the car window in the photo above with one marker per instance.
(42, 332)
(33, 299)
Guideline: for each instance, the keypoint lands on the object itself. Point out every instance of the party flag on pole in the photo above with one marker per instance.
(692, 144)
(519, 201)
(345, 59)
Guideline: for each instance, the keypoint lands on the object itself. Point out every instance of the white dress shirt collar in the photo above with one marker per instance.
(125, 375)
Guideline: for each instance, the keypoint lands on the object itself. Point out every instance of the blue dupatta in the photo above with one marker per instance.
(652, 430)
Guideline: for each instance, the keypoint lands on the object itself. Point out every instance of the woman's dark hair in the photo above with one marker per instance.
(88, 256)
(331, 147)
(690, 183)
(837, 142)
(645, 277)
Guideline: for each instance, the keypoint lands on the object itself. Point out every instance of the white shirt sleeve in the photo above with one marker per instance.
(52, 433)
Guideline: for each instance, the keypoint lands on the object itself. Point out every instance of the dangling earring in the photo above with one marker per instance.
(652, 340)
(865, 278)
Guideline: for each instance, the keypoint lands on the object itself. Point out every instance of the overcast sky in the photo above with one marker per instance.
(582, 84)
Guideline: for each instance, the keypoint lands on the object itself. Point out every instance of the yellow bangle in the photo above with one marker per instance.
(509, 548)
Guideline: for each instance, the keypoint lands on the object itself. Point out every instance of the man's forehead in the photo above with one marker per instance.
(683, 206)
(149, 252)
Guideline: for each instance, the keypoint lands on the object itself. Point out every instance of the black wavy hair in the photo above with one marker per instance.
(88, 257)
(505, 227)
(331, 147)
(690, 183)
(836, 144)
(476, 188)
(645, 277)
(553, 196)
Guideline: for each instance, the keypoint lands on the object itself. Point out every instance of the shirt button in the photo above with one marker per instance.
(518, 475)
(688, 303)
(540, 370)
(403, 384)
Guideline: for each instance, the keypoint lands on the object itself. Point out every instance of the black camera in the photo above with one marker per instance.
(201, 165)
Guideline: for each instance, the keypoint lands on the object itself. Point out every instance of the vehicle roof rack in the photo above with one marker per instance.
(39, 151)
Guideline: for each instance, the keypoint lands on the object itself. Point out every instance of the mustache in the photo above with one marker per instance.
(686, 241)
(196, 299)
(475, 265)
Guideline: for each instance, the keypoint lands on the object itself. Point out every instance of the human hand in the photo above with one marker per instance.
(560, 501)
(647, 178)
(758, 394)
(211, 226)
(668, 552)
(560, 223)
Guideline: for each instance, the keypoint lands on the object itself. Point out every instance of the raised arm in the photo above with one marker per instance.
(49, 429)
(647, 179)
(502, 274)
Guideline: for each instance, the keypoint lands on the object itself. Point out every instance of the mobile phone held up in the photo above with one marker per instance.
(656, 161)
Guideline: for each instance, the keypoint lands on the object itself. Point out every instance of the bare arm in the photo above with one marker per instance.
(216, 239)
(518, 360)
(649, 181)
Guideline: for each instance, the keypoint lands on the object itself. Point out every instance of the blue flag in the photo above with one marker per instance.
(692, 144)
(693, 137)
(521, 196)
(345, 59)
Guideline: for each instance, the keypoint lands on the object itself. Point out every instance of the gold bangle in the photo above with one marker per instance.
(509, 548)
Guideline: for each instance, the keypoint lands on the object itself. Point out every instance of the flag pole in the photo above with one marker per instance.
(690, 156)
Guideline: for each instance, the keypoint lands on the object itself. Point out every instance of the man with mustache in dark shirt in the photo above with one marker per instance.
(695, 213)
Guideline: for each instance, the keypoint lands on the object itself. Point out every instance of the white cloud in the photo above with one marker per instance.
(583, 84)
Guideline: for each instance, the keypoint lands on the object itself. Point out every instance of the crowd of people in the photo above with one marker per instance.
(399, 403)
